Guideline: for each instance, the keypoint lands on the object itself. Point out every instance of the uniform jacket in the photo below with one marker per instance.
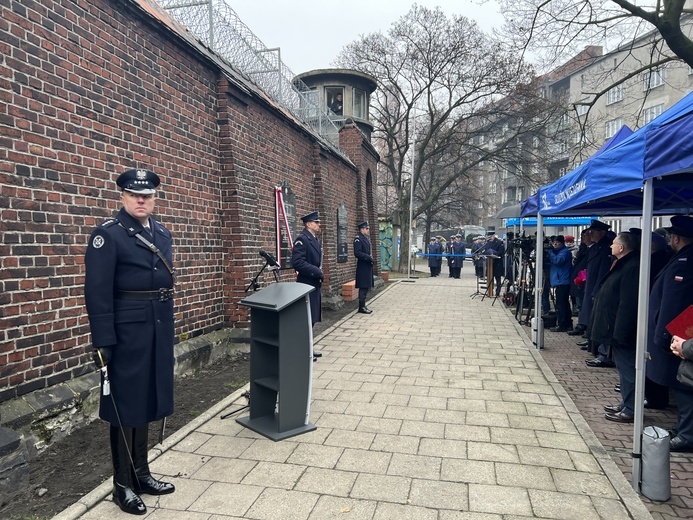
(671, 294)
(364, 261)
(306, 258)
(141, 333)
(615, 309)
(561, 266)
(598, 264)
(458, 248)
(435, 249)
(496, 247)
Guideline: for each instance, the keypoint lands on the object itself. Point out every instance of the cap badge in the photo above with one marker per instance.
(141, 175)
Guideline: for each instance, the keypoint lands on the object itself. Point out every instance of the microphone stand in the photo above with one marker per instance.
(254, 284)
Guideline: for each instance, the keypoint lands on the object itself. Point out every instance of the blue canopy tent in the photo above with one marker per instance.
(649, 171)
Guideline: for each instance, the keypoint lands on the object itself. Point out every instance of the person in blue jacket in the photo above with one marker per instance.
(129, 298)
(671, 294)
(364, 265)
(561, 265)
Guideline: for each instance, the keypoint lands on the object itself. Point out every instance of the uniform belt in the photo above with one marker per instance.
(162, 295)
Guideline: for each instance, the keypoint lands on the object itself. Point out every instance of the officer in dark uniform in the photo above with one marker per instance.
(129, 299)
(435, 261)
(494, 246)
(306, 259)
(364, 265)
(450, 259)
(458, 248)
(671, 294)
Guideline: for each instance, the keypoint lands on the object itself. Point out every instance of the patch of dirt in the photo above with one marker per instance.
(72, 467)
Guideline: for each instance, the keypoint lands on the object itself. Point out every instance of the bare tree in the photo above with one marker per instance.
(441, 83)
(555, 30)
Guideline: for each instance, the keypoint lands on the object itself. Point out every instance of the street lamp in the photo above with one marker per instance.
(411, 194)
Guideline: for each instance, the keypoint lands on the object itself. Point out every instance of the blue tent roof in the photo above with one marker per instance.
(611, 182)
(586, 183)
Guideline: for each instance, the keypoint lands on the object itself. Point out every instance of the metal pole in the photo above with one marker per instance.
(411, 190)
(641, 331)
(539, 280)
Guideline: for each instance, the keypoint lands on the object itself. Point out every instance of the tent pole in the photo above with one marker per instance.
(641, 338)
(538, 280)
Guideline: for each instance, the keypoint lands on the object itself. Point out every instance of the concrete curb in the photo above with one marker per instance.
(631, 500)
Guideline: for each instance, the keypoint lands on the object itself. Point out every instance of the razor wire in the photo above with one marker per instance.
(215, 24)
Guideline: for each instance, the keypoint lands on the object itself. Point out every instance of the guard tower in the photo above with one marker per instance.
(345, 92)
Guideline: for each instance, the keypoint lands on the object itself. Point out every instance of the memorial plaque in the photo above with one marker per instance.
(290, 209)
(342, 235)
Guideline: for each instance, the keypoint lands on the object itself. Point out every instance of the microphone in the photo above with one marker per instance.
(269, 258)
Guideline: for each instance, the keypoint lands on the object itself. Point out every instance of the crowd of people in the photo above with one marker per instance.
(598, 283)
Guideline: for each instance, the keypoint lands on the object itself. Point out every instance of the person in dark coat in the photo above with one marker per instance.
(450, 259)
(671, 294)
(434, 262)
(479, 261)
(614, 320)
(306, 259)
(129, 298)
(458, 248)
(598, 264)
(364, 265)
(578, 290)
(494, 246)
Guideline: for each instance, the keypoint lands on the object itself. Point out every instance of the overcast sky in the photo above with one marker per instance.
(311, 33)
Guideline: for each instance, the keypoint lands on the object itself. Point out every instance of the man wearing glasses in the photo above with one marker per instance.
(364, 265)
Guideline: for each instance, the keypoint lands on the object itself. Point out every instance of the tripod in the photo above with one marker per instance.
(481, 282)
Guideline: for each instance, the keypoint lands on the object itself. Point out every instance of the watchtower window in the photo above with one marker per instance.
(359, 104)
(335, 99)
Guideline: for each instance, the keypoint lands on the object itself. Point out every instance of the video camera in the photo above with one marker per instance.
(525, 244)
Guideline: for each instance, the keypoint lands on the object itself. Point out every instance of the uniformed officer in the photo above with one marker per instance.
(306, 259)
(364, 265)
(129, 299)
(435, 260)
(451, 260)
(458, 248)
(671, 294)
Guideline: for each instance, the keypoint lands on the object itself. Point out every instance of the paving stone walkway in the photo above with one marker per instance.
(433, 407)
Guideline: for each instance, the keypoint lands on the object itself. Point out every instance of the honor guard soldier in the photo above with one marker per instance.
(129, 299)
(458, 248)
(306, 259)
(364, 265)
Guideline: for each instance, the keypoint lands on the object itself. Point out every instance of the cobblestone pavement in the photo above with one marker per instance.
(433, 407)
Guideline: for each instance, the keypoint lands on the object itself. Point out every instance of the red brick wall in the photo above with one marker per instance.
(89, 89)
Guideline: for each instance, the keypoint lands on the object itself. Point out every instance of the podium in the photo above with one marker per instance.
(281, 361)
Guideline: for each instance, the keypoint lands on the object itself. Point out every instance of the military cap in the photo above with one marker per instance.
(143, 182)
(491, 232)
(598, 225)
(458, 235)
(311, 217)
(363, 224)
(681, 225)
(433, 238)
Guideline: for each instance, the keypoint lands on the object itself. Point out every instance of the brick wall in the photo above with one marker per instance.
(89, 89)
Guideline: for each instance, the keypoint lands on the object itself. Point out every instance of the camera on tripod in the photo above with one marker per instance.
(525, 244)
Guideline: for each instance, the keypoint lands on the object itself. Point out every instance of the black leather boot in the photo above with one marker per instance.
(362, 307)
(124, 496)
(142, 479)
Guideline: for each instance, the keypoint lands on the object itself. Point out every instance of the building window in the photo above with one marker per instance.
(535, 142)
(510, 194)
(562, 171)
(650, 113)
(613, 126)
(582, 109)
(653, 78)
(492, 188)
(360, 104)
(335, 99)
(614, 95)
